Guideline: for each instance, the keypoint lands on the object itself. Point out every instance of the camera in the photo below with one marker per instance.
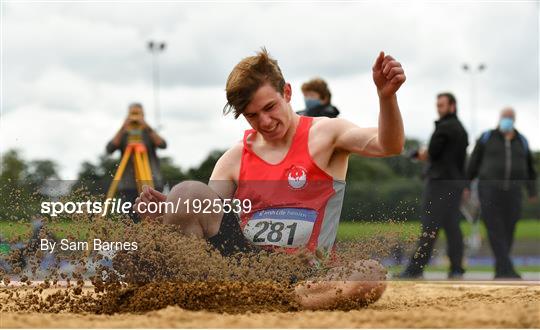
(134, 123)
(412, 154)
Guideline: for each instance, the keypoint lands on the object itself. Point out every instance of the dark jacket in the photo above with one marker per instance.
(447, 150)
(508, 163)
(324, 110)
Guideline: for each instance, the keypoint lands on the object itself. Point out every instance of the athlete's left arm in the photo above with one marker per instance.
(389, 138)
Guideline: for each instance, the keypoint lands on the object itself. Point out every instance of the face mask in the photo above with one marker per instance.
(312, 103)
(506, 124)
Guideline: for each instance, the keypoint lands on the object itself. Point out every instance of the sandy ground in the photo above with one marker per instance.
(404, 304)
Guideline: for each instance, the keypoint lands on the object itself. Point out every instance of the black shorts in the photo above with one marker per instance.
(230, 240)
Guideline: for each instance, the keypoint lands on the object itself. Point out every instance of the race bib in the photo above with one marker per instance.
(286, 227)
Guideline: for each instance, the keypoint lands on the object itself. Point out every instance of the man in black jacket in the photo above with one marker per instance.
(317, 97)
(444, 185)
(503, 164)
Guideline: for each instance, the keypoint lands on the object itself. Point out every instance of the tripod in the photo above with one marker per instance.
(136, 150)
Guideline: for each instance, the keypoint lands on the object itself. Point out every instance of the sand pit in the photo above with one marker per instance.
(404, 304)
(174, 281)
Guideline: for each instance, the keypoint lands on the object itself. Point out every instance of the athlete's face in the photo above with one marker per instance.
(269, 112)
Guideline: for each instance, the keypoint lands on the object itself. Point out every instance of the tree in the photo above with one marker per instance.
(13, 167)
(204, 171)
(96, 178)
(403, 166)
(21, 183)
(41, 171)
(368, 169)
(171, 173)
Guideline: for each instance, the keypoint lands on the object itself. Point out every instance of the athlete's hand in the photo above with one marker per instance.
(148, 195)
(388, 75)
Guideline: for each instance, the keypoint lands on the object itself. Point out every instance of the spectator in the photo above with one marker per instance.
(317, 97)
(503, 164)
(445, 176)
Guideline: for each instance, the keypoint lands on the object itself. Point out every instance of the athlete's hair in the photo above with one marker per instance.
(318, 86)
(451, 99)
(246, 78)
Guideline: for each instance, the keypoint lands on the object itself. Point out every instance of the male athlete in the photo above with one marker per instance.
(292, 170)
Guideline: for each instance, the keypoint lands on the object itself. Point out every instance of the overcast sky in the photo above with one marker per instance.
(69, 70)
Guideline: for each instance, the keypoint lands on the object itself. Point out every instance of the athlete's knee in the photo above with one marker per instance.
(189, 190)
(375, 283)
(369, 270)
(186, 196)
(378, 271)
(371, 275)
(181, 196)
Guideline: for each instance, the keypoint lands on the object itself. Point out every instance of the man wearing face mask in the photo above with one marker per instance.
(317, 97)
(503, 164)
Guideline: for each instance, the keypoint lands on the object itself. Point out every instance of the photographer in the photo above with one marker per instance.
(445, 181)
(127, 187)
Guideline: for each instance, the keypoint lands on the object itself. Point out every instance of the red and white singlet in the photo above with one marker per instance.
(294, 203)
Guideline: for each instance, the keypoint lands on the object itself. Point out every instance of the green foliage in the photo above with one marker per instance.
(383, 188)
(366, 169)
(396, 199)
(171, 173)
(21, 184)
(13, 167)
(96, 178)
(536, 157)
(403, 166)
(377, 188)
(204, 171)
(42, 170)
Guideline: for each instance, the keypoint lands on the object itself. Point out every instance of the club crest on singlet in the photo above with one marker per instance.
(297, 177)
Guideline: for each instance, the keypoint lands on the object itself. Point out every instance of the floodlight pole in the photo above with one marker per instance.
(472, 74)
(155, 48)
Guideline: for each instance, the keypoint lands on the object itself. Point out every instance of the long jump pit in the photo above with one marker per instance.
(403, 305)
(178, 282)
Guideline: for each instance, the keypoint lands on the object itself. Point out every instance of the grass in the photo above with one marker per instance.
(11, 230)
(527, 229)
(476, 268)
